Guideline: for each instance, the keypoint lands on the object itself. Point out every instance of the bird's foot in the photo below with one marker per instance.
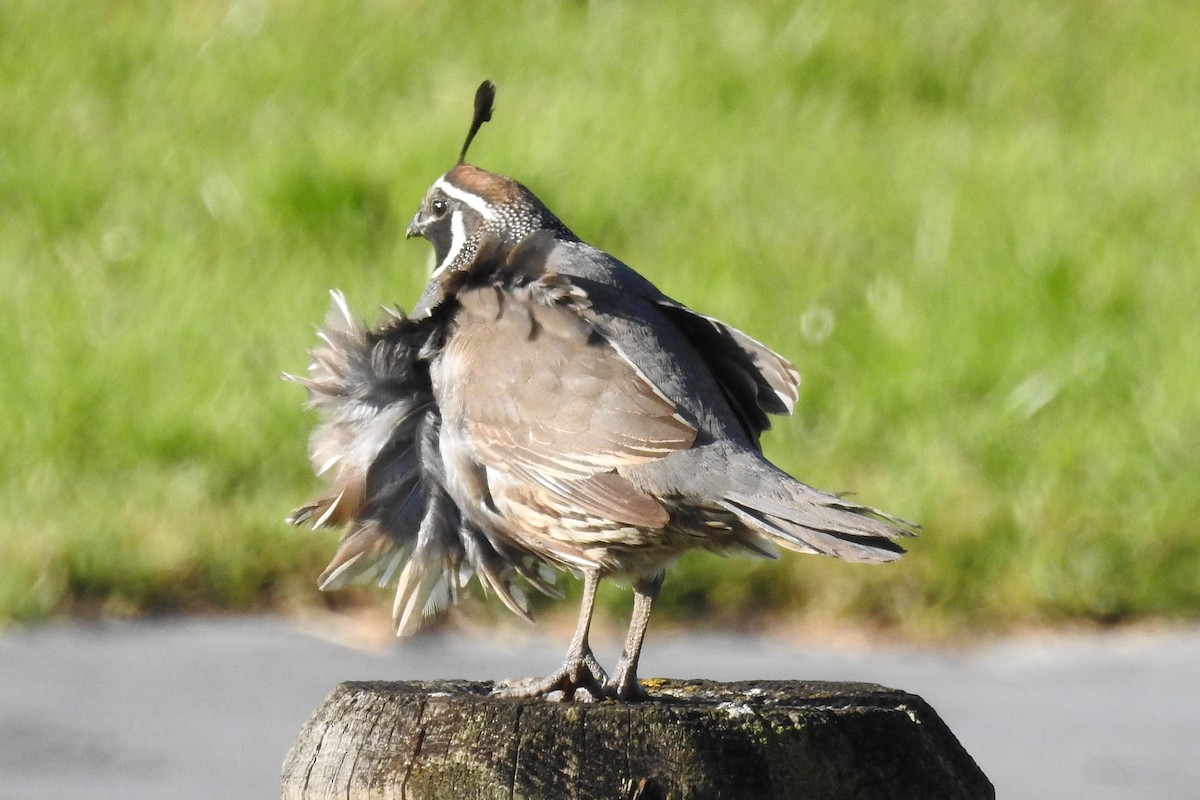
(579, 678)
(624, 684)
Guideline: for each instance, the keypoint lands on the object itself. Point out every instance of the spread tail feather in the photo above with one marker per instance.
(808, 520)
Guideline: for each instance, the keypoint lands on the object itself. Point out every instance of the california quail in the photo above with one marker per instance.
(544, 408)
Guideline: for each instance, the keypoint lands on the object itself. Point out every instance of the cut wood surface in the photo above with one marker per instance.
(692, 739)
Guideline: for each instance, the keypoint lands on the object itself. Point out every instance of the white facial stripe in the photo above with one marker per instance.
(474, 201)
(458, 235)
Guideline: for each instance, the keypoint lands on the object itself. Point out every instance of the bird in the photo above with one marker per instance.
(545, 408)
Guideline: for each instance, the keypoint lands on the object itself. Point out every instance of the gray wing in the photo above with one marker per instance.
(754, 379)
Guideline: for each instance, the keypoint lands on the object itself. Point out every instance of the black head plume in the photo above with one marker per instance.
(485, 95)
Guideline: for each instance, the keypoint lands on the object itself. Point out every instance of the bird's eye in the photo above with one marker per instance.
(439, 208)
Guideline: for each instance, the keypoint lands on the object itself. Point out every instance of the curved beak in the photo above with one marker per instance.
(414, 228)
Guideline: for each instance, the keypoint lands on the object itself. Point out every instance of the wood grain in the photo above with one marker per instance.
(693, 739)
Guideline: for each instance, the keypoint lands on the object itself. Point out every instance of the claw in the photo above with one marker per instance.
(625, 685)
(583, 675)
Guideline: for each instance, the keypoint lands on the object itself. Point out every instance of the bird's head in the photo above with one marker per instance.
(468, 202)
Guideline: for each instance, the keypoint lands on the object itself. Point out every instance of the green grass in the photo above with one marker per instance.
(973, 227)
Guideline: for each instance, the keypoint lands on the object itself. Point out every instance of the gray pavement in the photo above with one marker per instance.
(207, 708)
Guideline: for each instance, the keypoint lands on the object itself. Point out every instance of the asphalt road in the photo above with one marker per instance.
(207, 708)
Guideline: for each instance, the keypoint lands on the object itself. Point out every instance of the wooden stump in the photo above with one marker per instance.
(693, 739)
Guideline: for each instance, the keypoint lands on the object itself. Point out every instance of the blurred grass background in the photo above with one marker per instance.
(974, 227)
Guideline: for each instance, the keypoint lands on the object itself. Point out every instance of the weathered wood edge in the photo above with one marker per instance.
(382, 739)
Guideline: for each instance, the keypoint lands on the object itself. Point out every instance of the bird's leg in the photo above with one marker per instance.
(580, 670)
(581, 666)
(624, 683)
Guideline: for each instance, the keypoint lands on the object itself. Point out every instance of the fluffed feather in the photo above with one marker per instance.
(377, 446)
